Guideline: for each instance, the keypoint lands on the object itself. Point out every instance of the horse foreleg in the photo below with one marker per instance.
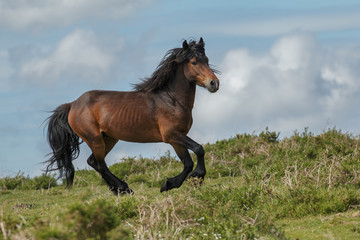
(188, 143)
(200, 169)
(177, 181)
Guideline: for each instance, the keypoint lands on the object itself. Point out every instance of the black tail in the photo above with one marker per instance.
(64, 143)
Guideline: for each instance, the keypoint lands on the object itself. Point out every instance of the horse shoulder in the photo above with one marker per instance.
(172, 118)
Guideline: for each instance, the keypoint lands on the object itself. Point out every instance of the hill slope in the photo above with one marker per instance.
(257, 187)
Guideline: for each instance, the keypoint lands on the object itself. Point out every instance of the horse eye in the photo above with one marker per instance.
(193, 63)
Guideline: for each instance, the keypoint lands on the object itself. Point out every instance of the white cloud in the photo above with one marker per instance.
(78, 55)
(298, 83)
(342, 73)
(293, 52)
(278, 25)
(19, 14)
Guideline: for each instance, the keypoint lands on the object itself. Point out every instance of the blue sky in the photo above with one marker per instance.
(284, 64)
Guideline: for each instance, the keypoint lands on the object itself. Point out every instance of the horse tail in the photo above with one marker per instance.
(64, 144)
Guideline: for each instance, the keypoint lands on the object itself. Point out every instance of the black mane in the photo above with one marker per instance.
(167, 67)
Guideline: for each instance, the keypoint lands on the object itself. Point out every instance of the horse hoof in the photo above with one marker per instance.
(164, 186)
(198, 174)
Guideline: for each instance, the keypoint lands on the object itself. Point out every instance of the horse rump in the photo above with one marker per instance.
(64, 144)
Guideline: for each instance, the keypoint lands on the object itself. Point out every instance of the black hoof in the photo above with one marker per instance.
(165, 186)
(198, 174)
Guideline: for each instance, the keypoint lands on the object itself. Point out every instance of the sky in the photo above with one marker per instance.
(285, 65)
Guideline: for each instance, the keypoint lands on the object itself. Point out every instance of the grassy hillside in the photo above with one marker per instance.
(257, 187)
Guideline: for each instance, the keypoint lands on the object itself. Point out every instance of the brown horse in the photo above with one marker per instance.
(158, 110)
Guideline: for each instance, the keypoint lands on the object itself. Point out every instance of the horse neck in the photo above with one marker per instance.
(182, 89)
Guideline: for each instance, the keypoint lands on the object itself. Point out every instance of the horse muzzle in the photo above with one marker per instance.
(213, 85)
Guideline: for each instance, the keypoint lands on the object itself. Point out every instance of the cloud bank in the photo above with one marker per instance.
(82, 56)
(298, 83)
(79, 55)
(19, 14)
(284, 23)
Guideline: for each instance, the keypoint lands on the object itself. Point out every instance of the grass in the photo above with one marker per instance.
(257, 187)
(344, 225)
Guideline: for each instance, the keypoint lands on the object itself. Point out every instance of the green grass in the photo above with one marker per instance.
(335, 226)
(257, 187)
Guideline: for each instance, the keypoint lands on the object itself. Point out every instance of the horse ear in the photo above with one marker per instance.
(201, 42)
(185, 45)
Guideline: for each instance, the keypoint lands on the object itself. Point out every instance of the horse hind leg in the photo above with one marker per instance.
(100, 147)
(116, 185)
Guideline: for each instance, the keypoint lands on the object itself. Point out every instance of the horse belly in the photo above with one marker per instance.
(136, 132)
(134, 123)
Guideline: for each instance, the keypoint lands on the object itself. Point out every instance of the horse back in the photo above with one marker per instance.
(127, 116)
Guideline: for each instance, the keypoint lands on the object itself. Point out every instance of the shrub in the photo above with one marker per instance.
(126, 207)
(269, 137)
(84, 178)
(91, 220)
(44, 181)
(10, 183)
(26, 183)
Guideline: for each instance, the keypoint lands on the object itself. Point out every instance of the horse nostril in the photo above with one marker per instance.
(213, 85)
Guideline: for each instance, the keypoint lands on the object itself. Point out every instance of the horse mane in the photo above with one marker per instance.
(165, 71)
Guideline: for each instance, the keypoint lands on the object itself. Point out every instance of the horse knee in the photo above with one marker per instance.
(188, 166)
(199, 151)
